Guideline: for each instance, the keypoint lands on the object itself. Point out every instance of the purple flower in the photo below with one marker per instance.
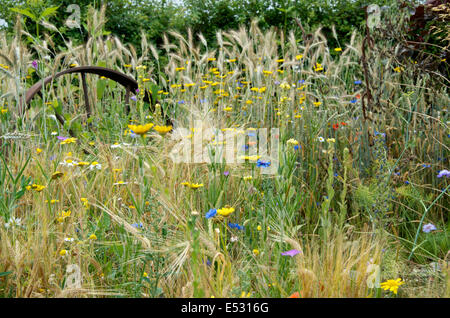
(134, 98)
(291, 253)
(137, 90)
(427, 228)
(226, 173)
(34, 64)
(277, 83)
(211, 213)
(443, 173)
(62, 137)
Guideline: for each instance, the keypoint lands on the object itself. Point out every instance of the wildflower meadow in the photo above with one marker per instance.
(262, 162)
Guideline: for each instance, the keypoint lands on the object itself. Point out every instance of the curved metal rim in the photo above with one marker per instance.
(128, 82)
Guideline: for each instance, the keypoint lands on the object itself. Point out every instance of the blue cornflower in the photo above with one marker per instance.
(235, 226)
(138, 225)
(181, 102)
(358, 82)
(301, 81)
(380, 134)
(211, 213)
(296, 147)
(261, 163)
(426, 166)
(354, 100)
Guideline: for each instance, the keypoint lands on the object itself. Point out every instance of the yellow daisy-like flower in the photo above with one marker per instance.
(57, 174)
(255, 252)
(225, 211)
(163, 129)
(62, 252)
(37, 187)
(140, 129)
(68, 141)
(38, 150)
(292, 141)
(338, 49)
(192, 185)
(392, 285)
(246, 178)
(93, 237)
(298, 57)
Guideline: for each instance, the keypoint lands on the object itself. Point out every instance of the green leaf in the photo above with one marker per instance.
(24, 12)
(4, 273)
(48, 12)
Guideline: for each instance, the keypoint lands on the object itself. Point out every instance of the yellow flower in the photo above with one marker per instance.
(255, 252)
(280, 61)
(63, 215)
(398, 69)
(246, 178)
(285, 86)
(331, 140)
(62, 252)
(145, 275)
(37, 187)
(163, 129)
(338, 49)
(392, 285)
(93, 237)
(225, 211)
(259, 228)
(298, 57)
(318, 67)
(292, 141)
(38, 150)
(57, 174)
(68, 141)
(252, 158)
(140, 129)
(82, 163)
(4, 110)
(317, 104)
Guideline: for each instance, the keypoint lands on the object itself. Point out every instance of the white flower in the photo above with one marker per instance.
(321, 139)
(54, 133)
(234, 238)
(115, 145)
(13, 221)
(95, 165)
(69, 239)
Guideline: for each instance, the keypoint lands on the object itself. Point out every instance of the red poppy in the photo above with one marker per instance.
(358, 96)
(343, 124)
(335, 126)
(295, 295)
